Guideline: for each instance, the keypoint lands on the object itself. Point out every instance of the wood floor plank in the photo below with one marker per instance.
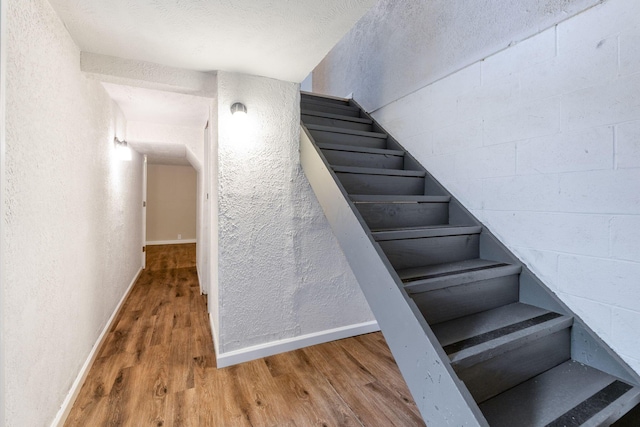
(157, 367)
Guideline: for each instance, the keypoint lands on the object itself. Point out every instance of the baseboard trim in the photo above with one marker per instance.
(169, 242)
(67, 404)
(290, 344)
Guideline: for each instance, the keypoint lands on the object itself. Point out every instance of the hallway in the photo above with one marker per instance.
(157, 368)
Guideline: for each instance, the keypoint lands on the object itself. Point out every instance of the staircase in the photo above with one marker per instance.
(478, 338)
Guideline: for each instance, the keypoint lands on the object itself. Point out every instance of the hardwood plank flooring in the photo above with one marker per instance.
(157, 368)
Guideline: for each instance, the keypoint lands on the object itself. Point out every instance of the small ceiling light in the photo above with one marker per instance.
(123, 152)
(238, 108)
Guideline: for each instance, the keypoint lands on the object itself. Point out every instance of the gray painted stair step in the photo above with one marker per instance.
(332, 129)
(332, 135)
(352, 119)
(356, 149)
(330, 108)
(360, 183)
(388, 215)
(342, 155)
(448, 291)
(435, 273)
(424, 232)
(544, 399)
(325, 101)
(377, 171)
(319, 98)
(418, 252)
(380, 198)
(498, 349)
(467, 327)
(336, 120)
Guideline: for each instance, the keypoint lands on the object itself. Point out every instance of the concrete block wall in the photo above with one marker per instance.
(534, 127)
(542, 142)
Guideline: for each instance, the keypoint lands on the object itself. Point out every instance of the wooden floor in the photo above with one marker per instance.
(157, 368)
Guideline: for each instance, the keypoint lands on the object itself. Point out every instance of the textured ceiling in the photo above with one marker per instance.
(154, 106)
(282, 39)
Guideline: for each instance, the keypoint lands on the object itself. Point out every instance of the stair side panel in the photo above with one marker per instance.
(442, 399)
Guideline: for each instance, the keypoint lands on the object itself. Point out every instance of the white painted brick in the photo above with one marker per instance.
(624, 327)
(628, 145)
(599, 22)
(587, 64)
(522, 193)
(625, 238)
(468, 192)
(490, 99)
(596, 315)
(570, 233)
(544, 264)
(463, 81)
(400, 118)
(601, 192)
(606, 281)
(523, 55)
(630, 52)
(537, 118)
(441, 167)
(420, 145)
(591, 149)
(633, 362)
(609, 103)
(459, 137)
(486, 162)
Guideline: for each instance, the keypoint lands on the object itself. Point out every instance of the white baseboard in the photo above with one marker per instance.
(290, 344)
(63, 413)
(169, 242)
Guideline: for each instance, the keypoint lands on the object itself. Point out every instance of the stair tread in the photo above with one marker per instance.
(358, 149)
(424, 232)
(476, 337)
(378, 171)
(560, 391)
(311, 102)
(428, 278)
(334, 129)
(384, 198)
(448, 268)
(326, 98)
(305, 112)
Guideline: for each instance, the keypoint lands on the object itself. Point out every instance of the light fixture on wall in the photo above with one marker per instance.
(123, 152)
(238, 109)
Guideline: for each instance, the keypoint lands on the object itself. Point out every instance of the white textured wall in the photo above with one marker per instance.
(542, 142)
(212, 240)
(281, 271)
(72, 222)
(401, 46)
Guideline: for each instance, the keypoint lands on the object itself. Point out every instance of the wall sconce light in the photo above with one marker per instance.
(238, 108)
(123, 152)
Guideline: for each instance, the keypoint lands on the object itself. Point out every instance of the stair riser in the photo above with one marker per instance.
(324, 100)
(493, 376)
(400, 215)
(381, 184)
(412, 253)
(457, 301)
(344, 124)
(328, 108)
(322, 137)
(366, 160)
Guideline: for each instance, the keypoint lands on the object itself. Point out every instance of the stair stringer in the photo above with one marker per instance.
(440, 396)
(586, 346)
